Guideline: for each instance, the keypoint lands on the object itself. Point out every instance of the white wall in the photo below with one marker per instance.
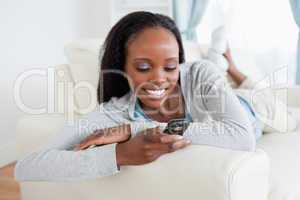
(33, 34)
(261, 44)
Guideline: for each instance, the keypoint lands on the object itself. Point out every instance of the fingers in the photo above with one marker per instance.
(155, 135)
(85, 145)
(159, 147)
(94, 139)
(77, 148)
(152, 135)
(164, 142)
(180, 144)
(170, 138)
(102, 136)
(167, 147)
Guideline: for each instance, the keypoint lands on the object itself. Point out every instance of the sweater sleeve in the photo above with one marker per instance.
(58, 162)
(219, 119)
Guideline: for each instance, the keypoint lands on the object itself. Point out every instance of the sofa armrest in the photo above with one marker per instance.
(197, 172)
(35, 131)
(294, 96)
(290, 95)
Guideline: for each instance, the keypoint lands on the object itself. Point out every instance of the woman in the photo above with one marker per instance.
(144, 83)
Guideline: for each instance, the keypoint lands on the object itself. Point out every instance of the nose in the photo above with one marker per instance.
(158, 77)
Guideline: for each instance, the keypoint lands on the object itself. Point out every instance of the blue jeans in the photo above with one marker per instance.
(252, 116)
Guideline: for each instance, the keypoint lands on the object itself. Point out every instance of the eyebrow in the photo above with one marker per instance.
(147, 59)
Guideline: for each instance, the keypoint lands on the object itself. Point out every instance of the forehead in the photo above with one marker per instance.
(154, 41)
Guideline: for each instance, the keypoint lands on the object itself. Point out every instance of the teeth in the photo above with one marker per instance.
(156, 92)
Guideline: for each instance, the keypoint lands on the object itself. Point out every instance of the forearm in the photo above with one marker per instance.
(58, 162)
(221, 134)
(62, 165)
(237, 76)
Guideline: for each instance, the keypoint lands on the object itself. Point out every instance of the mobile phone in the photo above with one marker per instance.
(176, 126)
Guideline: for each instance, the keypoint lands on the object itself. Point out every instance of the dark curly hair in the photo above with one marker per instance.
(113, 52)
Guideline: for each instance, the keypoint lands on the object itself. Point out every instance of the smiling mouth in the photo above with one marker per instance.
(157, 94)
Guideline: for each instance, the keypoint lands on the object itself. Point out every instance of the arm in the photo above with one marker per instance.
(237, 76)
(219, 119)
(57, 161)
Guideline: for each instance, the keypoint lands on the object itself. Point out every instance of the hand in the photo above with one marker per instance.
(227, 55)
(147, 146)
(237, 76)
(106, 136)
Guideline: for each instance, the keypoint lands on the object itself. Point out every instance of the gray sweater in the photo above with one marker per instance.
(218, 120)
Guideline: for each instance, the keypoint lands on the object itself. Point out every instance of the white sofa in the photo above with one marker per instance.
(198, 172)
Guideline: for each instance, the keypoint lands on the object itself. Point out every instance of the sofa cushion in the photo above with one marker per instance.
(284, 151)
(196, 172)
(85, 51)
(83, 57)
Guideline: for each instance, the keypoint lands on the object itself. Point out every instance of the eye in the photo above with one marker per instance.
(170, 66)
(143, 66)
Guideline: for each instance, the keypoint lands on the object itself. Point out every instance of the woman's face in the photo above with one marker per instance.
(152, 64)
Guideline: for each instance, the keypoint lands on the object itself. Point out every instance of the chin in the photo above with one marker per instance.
(153, 104)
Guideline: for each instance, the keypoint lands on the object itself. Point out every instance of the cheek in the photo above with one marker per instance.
(139, 81)
(135, 78)
(174, 76)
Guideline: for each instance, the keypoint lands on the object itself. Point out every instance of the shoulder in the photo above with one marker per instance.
(202, 70)
(121, 104)
(116, 109)
(113, 112)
